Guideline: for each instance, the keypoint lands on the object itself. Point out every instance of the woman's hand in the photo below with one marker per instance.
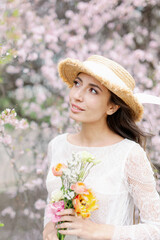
(84, 228)
(50, 232)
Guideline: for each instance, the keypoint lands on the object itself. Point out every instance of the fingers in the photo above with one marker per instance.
(69, 211)
(69, 218)
(69, 232)
(69, 222)
(65, 225)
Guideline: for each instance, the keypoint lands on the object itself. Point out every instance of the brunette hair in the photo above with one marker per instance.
(123, 124)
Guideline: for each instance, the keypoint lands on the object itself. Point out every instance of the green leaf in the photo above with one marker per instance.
(15, 13)
(1, 224)
(1, 80)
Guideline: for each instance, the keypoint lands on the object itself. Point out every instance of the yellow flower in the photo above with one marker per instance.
(84, 204)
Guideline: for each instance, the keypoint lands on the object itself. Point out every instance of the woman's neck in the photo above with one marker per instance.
(91, 135)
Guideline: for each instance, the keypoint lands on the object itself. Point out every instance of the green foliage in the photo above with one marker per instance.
(5, 102)
(10, 1)
(15, 13)
(11, 34)
(1, 224)
(33, 115)
(9, 127)
(1, 80)
(8, 57)
(46, 119)
(47, 103)
(11, 13)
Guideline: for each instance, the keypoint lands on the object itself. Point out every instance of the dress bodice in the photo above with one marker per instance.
(114, 181)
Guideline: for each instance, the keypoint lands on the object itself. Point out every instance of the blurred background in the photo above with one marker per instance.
(34, 36)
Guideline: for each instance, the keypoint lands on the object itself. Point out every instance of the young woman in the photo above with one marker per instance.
(102, 100)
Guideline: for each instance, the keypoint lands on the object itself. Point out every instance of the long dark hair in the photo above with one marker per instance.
(122, 123)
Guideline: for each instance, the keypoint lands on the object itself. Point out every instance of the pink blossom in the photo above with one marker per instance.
(19, 82)
(153, 44)
(29, 186)
(37, 215)
(69, 14)
(40, 204)
(31, 215)
(9, 211)
(13, 70)
(37, 182)
(26, 211)
(7, 140)
(41, 96)
(19, 93)
(23, 169)
(49, 73)
(22, 54)
(53, 209)
(32, 56)
(38, 30)
(39, 171)
(22, 124)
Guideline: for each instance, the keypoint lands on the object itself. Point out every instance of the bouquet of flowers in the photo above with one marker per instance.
(73, 193)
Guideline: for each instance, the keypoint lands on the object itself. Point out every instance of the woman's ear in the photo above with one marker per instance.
(112, 108)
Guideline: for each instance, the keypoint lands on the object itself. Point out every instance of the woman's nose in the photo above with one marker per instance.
(79, 95)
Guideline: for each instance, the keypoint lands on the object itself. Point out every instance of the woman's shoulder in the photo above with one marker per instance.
(136, 150)
(138, 164)
(58, 139)
(133, 149)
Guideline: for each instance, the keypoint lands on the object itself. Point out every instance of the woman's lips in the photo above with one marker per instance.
(75, 108)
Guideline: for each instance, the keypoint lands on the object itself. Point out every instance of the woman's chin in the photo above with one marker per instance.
(75, 117)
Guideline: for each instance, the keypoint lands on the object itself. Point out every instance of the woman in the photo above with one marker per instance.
(102, 100)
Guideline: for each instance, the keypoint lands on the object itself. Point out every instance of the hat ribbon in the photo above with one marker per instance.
(147, 98)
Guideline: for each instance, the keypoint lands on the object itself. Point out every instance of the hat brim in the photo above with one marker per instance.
(69, 68)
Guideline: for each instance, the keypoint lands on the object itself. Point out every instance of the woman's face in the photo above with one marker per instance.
(89, 100)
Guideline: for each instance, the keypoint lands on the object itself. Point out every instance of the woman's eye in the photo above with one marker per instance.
(76, 82)
(93, 91)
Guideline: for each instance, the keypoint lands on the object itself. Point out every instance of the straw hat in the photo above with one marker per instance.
(109, 73)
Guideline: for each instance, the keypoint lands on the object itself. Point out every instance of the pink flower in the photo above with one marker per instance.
(58, 169)
(53, 209)
(79, 188)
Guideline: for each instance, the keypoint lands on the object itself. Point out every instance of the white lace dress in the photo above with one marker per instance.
(123, 178)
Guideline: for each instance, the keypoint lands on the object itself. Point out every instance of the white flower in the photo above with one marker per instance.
(56, 195)
(86, 156)
(66, 171)
(69, 195)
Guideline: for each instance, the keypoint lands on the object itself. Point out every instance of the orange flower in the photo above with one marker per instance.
(58, 169)
(79, 188)
(85, 203)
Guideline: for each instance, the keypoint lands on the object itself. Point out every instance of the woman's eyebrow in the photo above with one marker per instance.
(91, 84)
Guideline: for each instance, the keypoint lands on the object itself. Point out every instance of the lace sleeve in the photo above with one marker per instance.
(141, 185)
